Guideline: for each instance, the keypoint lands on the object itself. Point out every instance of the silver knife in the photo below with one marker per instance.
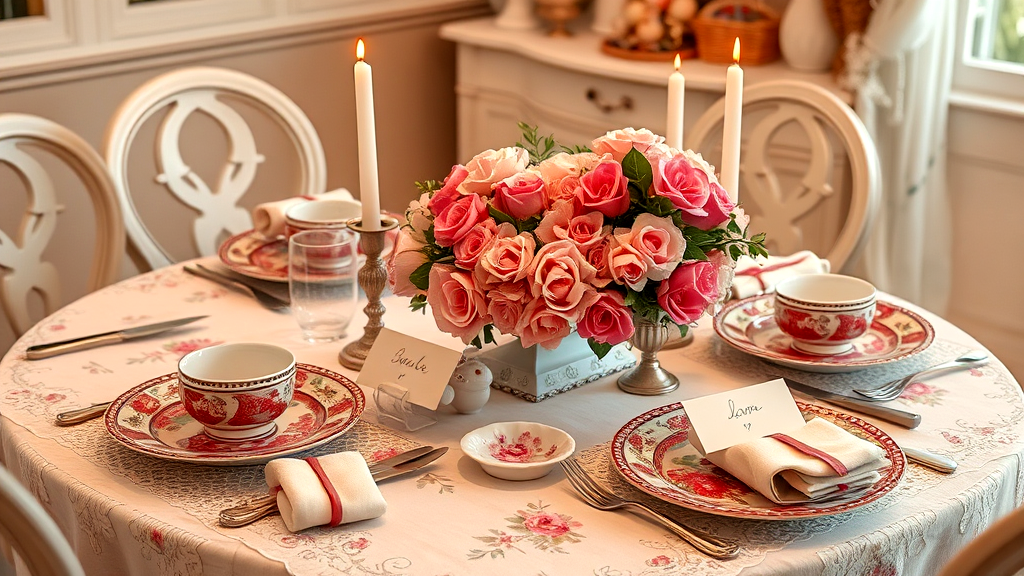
(901, 417)
(40, 351)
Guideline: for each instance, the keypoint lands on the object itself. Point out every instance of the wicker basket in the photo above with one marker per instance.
(759, 39)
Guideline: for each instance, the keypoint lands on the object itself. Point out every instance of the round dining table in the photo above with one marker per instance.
(126, 512)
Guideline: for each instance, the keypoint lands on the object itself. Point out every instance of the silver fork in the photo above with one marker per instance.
(597, 496)
(893, 389)
(265, 298)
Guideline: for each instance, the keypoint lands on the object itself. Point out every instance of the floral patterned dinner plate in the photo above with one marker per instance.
(250, 254)
(895, 333)
(151, 419)
(653, 453)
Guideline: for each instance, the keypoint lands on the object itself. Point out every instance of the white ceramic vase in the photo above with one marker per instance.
(517, 15)
(806, 38)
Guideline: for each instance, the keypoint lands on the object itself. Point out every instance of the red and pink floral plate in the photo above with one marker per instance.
(151, 419)
(253, 255)
(895, 333)
(653, 453)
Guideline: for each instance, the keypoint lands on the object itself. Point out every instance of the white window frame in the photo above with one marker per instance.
(1001, 82)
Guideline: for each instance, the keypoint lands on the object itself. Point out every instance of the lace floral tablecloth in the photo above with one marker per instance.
(127, 513)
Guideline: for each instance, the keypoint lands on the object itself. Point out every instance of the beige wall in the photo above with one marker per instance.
(414, 77)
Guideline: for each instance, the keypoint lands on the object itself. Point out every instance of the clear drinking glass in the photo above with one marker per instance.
(322, 279)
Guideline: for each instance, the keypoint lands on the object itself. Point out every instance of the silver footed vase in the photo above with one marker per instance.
(648, 377)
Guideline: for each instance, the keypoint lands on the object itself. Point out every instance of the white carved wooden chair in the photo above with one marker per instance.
(998, 551)
(24, 142)
(802, 145)
(26, 526)
(213, 92)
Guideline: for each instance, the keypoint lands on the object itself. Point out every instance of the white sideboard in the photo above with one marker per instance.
(568, 87)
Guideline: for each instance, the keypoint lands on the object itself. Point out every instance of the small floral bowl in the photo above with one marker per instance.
(518, 450)
(237, 390)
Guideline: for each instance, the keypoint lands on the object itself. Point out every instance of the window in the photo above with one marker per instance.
(990, 48)
(20, 8)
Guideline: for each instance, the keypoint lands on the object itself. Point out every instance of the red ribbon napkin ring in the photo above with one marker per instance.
(832, 461)
(332, 494)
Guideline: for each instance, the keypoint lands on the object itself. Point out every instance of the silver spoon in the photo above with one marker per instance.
(79, 415)
(893, 389)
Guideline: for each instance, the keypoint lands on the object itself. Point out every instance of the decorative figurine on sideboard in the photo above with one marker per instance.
(654, 30)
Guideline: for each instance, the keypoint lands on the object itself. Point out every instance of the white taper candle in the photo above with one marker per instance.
(676, 92)
(366, 132)
(730, 174)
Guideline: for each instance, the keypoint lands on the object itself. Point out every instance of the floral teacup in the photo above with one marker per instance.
(824, 313)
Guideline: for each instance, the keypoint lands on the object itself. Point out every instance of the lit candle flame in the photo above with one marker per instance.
(361, 49)
(736, 51)
(678, 62)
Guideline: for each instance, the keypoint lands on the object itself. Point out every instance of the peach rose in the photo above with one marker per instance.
(508, 258)
(561, 173)
(492, 166)
(555, 224)
(689, 291)
(717, 209)
(627, 265)
(597, 255)
(474, 243)
(658, 241)
(542, 325)
(560, 276)
(458, 306)
(604, 189)
(505, 304)
(521, 195)
(406, 257)
(458, 218)
(618, 143)
(684, 184)
(449, 191)
(584, 230)
(608, 320)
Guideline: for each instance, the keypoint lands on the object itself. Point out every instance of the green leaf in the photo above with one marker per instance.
(683, 329)
(660, 206)
(419, 303)
(601, 349)
(428, 234)
(489, 334)
(734, 227)
(636, 167)
(500, 216)
(693, 252)
(420, 277)
(476, 342)
(429, 186)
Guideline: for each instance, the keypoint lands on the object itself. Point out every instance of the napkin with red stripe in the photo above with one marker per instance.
(819, 461)
(268, 217)
(325, 491)
(761, 275)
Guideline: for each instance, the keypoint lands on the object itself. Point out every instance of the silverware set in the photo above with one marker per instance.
(268, 300)
(892, 390)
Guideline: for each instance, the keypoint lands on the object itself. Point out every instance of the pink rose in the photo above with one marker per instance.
(492, 166)
(449, 191)
(521, 195)
(505, 304)
(689, 291)
(561, 173)
(542, 325)
(508, 258)
(560, 276)
(406, 257)
(458, 218)
(627, 266)
(604, 189)
(458, 306)
(718, 207)
(597, 255)
(619, 142)
(546, 525)
(658, 241)
(474, 243)
(608, 320)
(682, 183)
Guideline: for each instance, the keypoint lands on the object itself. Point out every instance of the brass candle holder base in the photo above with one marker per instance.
(373, 276)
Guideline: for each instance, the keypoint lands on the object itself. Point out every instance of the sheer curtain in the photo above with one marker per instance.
(900, 69)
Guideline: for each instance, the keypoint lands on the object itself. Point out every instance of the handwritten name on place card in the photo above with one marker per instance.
(726, 419)
(420, 367)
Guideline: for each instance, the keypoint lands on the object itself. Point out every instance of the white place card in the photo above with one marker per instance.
(420, 367)
(722, 420)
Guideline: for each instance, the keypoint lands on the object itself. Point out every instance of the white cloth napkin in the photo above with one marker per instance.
(786, 475)
(304, 502)
(268, 218)
(761, 275)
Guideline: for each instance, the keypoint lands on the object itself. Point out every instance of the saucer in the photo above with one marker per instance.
(895, 333)
(518, 450)
(252, 254)
(151, 419)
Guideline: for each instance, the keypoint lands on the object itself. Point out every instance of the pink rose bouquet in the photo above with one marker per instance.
(537, 241)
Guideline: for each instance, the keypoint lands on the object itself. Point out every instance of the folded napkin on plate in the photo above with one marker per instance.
(818, 460)
(268, 218)
(760, 276)
(331, 490)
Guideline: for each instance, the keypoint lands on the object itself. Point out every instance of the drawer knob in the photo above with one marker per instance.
(624, 103)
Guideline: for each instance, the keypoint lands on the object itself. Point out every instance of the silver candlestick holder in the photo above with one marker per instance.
(373, 276)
